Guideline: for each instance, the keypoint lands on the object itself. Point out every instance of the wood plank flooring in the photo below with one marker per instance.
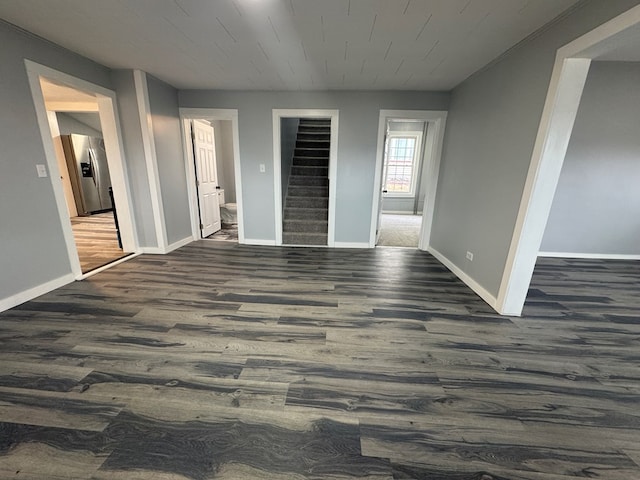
(96, 240)
(235, 362)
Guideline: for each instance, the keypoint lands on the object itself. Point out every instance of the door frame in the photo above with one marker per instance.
(213, 114)
(432, 145)
(568, 77)
(279, 114)
(110, 122)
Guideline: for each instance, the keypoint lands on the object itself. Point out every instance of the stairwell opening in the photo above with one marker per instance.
(305, 146)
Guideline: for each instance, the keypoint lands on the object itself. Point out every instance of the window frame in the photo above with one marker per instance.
(417, 136)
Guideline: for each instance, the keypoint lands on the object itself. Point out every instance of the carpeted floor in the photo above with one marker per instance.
(399, 230)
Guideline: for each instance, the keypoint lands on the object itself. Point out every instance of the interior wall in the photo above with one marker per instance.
(491, 129)
(165, 119)
(596, 208)
(223, 132)
(357, 143)
(33, 246)
(288, 137)
(69, 125)
(135, 159)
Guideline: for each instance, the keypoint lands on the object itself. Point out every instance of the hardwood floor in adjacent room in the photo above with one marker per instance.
(96, 240)
(235, 362)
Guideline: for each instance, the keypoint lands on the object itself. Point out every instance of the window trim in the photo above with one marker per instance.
(417, 136)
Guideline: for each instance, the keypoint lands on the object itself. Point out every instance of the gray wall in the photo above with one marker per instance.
(78, 124)
(33, 250)
(134, 154)
(357, 141)
(491, 128)
(165, 120)
(223, 132)
(596, 208)
(288, 136)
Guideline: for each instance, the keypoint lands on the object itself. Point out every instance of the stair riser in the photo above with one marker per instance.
(307, 191)
(311, 152)
(294, 214)
(304, 136)
(323, 122)
(315, 130)
(307, 202)
(310, 162)
(293, 226)
(295, 239)
(310, 171)
(299, 180)
(320, 144)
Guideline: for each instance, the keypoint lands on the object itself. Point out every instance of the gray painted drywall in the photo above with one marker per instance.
(596, 208)
(135, 161)
(288, 136)
(491, 129)
(223, 132)
(33, 250)
(357, 143)
(406, 204)
(165, 120)
(83, 124)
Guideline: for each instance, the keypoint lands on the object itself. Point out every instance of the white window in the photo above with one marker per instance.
(401, 164)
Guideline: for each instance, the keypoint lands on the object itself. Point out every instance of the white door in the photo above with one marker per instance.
(383, 186)
(207, 178)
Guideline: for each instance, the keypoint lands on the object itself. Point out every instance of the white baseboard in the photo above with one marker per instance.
(152, 250)
(351, 245)
(258, 241)
(178, 244)
(603, 256)
(109, 265)
(31, 293)
(470, 282)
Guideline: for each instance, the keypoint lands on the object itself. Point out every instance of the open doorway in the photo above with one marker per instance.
(80, 133)
(305, 164)
(403, 184)
(409, 147)
(84, 171)
(211, 153)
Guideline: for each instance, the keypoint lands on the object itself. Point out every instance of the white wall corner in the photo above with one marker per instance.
(151, 158)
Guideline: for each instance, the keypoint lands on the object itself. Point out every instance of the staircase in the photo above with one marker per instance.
(306, 211)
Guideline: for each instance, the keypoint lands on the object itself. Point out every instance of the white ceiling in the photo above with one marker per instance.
(60, 98)
(290, 44)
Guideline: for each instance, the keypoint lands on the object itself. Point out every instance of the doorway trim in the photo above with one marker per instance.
(560, 109)
(435, 120)
(279, 114)
(186, 115)
(110, 122)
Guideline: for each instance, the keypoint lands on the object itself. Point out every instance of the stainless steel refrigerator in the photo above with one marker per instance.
(88, 172)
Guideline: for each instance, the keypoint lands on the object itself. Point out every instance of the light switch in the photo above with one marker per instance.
(42, 170)
(262, 168)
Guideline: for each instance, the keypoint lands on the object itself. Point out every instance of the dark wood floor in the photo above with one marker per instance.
(234, 362)
(96, 240)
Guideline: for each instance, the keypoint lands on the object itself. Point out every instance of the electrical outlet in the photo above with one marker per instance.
(42, 170)
(470, 256)
(262, 168)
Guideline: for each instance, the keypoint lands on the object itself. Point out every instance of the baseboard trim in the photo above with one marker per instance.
(351, 245)
(152, 250)
(178, 244)
(109, 265)
(259, 241)
(483, 293)
(31, 293)
(601, 256)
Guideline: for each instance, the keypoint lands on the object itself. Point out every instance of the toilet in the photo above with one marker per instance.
(228, 211)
